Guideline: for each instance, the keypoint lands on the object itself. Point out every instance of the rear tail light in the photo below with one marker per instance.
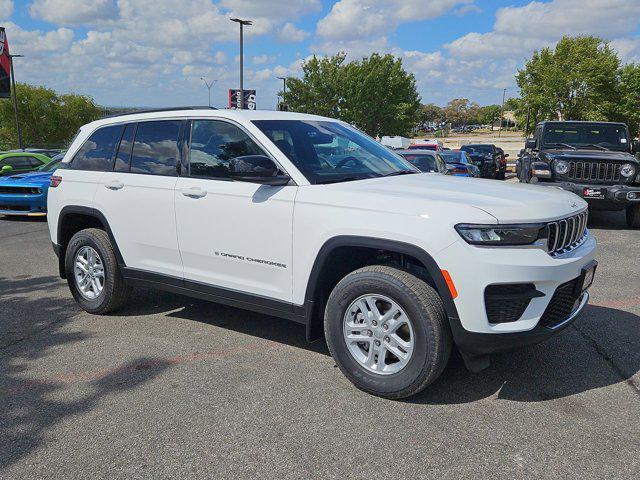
(55, 181)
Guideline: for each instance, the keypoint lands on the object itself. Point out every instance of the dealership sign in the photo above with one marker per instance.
(249, 99)
(5, 65)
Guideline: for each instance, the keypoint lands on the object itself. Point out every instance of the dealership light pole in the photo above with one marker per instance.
(15, 99)
(504, 92)
(242, 24)
(284, 86)
(209, 85)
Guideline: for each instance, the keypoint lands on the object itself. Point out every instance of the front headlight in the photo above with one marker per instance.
(627, 170)
(501, 234)
(561, 167)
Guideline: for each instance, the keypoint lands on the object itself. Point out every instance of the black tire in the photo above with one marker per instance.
(115, 292)
(633, 216)
(501, 175)
(432, 342)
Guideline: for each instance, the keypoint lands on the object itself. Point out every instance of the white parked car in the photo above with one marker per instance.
(306, 218)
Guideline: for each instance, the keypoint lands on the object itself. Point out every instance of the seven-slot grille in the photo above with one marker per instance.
(21, 190)
(567, 233)
(594, 172)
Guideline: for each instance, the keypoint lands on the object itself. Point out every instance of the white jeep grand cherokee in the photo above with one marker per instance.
(306, 218)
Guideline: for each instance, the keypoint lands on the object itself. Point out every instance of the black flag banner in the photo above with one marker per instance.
(5, 65)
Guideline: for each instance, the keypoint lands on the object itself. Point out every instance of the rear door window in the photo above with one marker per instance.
(123, 157)
(96, 153)
(155, 150)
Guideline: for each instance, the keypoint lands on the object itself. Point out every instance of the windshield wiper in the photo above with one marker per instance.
(399, 172)
(597, 146)
(342, 179)
(560, 145)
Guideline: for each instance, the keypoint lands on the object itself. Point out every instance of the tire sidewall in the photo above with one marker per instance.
(422, 353)
(79, 240)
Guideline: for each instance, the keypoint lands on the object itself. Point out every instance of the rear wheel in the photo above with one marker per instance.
(633, 216)
(387, 330)
(92, 272)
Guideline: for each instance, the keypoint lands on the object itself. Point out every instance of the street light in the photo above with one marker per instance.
(15, 98)
(209, 85)
(242, 24)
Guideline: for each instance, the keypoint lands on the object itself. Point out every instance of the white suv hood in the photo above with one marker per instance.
(507, 202)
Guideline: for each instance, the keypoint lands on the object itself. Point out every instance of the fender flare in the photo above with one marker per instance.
(89, 212)
(383, 244)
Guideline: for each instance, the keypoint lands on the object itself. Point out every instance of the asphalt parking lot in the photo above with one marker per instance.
(172, 387)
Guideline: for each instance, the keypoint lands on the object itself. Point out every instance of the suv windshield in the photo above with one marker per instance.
(329, 152)
(477, 148)
(610, 136)
(423, 161)
(455, 157)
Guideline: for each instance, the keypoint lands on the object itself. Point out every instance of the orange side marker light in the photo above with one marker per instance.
(452, 287)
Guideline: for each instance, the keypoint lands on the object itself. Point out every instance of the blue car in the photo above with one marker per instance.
(463, 164)
(26, 194)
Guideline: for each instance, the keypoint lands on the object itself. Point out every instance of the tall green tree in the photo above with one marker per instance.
(46, 118)
(489, 114)
(629, 104)
(461, 111)
(376, 94)
(430, 113)
(575, 81)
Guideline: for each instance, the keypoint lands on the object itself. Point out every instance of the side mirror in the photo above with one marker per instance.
(506, 155)
(257, 169)
(6, 170)
(635, 146)
(530, 144)
(449, 169)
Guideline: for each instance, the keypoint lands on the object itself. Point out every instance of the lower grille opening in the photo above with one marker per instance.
(17, 208)
(561, 305)
(507, 302)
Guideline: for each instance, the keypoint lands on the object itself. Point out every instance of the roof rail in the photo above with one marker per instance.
(154, 110)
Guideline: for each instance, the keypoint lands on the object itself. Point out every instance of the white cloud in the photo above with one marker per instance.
(628, 49)
(272, 9)
(260, 59)
(519, 30)
(290, 33)
(467, 9)
(73, 12)
(353, 19)
(6, 9)
(34, 44)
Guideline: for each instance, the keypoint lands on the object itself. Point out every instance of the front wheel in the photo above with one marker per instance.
(387, 330)
(633, 216)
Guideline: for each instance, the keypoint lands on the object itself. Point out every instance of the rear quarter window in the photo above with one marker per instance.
(96, 153)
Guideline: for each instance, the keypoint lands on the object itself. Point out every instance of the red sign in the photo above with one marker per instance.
(5, 65)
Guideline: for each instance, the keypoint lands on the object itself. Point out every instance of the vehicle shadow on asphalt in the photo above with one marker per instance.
(601, 348)
(31, 330)
(585, 356)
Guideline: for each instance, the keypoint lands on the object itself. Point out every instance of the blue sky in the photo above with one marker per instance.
(154, 52)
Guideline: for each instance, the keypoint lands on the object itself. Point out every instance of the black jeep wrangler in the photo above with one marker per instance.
(594, 160)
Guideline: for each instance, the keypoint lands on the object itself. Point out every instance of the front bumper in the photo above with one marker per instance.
(473, 269)
(617, 196)
(19, 204)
